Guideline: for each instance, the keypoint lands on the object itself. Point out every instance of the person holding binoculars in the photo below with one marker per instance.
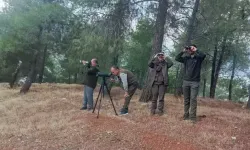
(158, 80)
(90, 82)
(192, 59)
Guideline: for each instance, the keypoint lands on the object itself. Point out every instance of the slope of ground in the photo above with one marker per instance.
(49, 117)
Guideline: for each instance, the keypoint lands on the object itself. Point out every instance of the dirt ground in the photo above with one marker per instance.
(49, 117)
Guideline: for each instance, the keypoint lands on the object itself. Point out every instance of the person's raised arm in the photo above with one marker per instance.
(169, 62)
(179, 57)
(200, 54)
(151, 62)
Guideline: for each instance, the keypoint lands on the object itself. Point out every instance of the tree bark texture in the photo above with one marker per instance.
(204, 87)
(232, 78)
(212, 91)
(31, 76)
(40, 78)
(14, 75)
(32, 73)
(218, 68)
(157, 43)
(248, 103)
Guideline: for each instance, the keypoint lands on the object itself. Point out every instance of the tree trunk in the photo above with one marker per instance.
(204, 87)
(218, 67)
(118, 26)
(75, 77)
(191, 24)
(32, 73)
(14, 75)
(31, 76)
(190, 32)
(212, 86)
(157, 43)
(232, 77)
(69, 82)
(179, 81)
(248, 103)
(40, 78)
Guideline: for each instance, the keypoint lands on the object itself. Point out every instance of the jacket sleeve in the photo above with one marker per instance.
(200, 55)
(179, 57)
(92, 71)
(124, 79)
(151, 63)
(169, 62)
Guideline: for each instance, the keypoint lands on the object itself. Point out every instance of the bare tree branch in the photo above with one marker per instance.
(141, 1)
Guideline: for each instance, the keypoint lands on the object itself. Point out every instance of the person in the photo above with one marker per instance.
(192, 59)
(129, 83)
(90, 82)
(158, 80)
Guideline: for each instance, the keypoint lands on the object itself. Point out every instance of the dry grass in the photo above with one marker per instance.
(48, 117)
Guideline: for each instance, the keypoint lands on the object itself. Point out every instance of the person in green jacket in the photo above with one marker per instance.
(129, 82)
(158, 80)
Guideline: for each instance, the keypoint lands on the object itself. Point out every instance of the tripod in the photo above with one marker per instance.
(101, 92)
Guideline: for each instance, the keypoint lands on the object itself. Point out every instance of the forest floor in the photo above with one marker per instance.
(49, 117)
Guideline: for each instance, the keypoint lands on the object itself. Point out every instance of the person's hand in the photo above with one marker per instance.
(84, 62)
(184, 50)
(155, 56)
(126, 94)
(112, 80)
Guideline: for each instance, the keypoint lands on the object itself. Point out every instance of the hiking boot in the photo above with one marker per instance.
(185, 117)
(160, 112)
(193, 120)
(83, 108)
(124, 111)
(90, 109)
(152, 112)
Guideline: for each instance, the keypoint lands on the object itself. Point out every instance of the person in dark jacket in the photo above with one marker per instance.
(158, 80)
(192, 59)
(90, 82)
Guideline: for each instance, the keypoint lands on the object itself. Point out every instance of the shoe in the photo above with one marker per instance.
(89, 109)
(152, 112)
(83, 108)
(160, 113)
(124, 111)
(193, 121)
(186, 117)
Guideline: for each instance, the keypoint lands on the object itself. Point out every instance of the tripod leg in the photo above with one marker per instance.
(102, 97)
(97, 98)
(110, 98)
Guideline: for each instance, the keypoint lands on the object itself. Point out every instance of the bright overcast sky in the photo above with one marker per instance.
(1, 4)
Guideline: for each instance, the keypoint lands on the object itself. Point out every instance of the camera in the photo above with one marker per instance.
(102, 74)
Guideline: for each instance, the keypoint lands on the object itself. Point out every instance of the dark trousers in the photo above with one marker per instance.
(131, 92)
(190, 92)
(158, 91)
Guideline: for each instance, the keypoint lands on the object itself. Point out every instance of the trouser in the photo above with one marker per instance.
(131, 90)
(158, 91)
(190, 92)
(88, 97)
